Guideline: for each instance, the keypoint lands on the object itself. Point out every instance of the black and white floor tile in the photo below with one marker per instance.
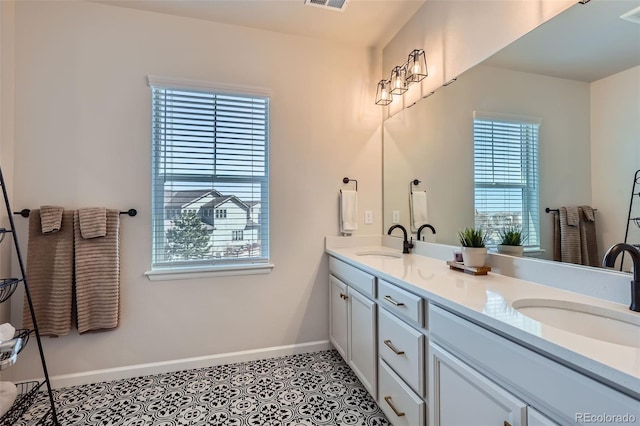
(299, 390)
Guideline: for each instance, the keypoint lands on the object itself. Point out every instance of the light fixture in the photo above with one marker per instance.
(383, 95)
(416, 66)
(399, 80)
(412, 71)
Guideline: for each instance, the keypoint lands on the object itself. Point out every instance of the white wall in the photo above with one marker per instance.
(83, 138)
(7, 95)
(433, 141)
(615, 153)
(457, 35)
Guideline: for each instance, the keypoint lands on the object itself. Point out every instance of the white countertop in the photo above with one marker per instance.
(487, 300)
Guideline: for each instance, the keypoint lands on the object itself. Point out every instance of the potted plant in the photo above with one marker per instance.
(474, 251)
(511, 241)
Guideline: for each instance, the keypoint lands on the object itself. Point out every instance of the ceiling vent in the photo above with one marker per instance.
(338, 5)
(632, 16)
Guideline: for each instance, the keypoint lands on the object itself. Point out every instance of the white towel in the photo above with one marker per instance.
(348, 211)
(8, 394)
(419, 209)
(7, 331)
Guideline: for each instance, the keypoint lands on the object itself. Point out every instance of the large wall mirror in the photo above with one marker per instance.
(578, 75)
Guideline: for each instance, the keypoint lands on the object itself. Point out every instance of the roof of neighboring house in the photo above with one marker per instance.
(180, 198)
(217, 201)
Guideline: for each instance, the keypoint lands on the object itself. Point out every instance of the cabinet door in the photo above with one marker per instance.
(338, 318)
(362, 340)
(535, 418)
(461, 396)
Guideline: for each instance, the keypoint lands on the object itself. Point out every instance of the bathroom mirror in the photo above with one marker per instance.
(570, 73)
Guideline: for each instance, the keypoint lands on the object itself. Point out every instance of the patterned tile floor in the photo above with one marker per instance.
(299, 390)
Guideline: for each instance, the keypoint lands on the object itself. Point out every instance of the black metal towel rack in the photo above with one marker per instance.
(346, 180)
(26, 212)
(548, 210)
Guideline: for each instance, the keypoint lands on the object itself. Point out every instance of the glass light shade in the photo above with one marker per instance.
(398, 80)
(383, 95)
(416, 66)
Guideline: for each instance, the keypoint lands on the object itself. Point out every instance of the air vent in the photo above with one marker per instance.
(632, 16)
(338, 5)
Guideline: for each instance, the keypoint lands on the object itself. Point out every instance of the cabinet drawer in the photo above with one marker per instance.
(402, 347)
(354, 277)
(398, 402)
(401, 302)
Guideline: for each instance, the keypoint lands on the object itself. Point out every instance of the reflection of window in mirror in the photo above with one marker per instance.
(506, 189)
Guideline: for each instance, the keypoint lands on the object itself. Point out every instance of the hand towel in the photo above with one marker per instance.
(348, 211)
(8, 394)
(97, 271)
(50, 219)
(588, 239)
(93, 222)
(573, 216)
(569, 239)
(419, 209)
(50, 276)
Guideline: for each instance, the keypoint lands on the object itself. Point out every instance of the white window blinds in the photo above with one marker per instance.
(506, 175)
(210, 195)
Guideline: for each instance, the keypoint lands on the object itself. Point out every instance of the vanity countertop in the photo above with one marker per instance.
(487, 300)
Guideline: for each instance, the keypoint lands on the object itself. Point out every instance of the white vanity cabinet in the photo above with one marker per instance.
(353, 320)
(475, 372)
(463, 397)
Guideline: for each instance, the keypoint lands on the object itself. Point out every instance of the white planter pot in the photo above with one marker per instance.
(510, 250)
(474, 256)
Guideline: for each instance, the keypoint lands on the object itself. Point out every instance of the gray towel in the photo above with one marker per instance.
(588, 240)
(570, 250)
(97, 267)
(573, 216)
(50, 276)
(51, 218)
(93, 222)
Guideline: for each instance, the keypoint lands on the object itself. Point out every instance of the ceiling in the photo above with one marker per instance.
(587, 42)
(368, 23)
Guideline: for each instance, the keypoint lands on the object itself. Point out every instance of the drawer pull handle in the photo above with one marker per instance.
(390, 300)
(343, 296)
(395, 410)
(393, 348)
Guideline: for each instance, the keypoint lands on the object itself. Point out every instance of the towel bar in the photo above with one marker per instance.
(26, 212)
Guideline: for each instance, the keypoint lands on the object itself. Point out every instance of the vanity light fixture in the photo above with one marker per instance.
(412, 71)
(383, 94)
(416, 66)
(399, 80)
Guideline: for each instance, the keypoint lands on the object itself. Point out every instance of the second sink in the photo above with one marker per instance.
(591, 321)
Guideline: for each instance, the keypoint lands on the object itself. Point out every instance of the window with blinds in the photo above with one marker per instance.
(210, 195)
(506, 176)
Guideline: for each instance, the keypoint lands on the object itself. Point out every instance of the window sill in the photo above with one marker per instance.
(208, 272)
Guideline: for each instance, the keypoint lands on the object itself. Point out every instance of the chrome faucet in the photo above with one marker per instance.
(610, 260)
(426, 225)
(406, 245)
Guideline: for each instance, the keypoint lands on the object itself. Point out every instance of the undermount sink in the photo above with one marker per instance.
(591, 321)
(380, 253)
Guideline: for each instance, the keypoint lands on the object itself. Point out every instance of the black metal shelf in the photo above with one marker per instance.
(9, 349)
(27, 392)
(7, 287)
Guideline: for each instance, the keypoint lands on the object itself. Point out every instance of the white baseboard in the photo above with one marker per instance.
(95, 376)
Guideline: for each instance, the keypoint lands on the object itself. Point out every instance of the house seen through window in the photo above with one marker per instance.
(506, 183)
(210, 190)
